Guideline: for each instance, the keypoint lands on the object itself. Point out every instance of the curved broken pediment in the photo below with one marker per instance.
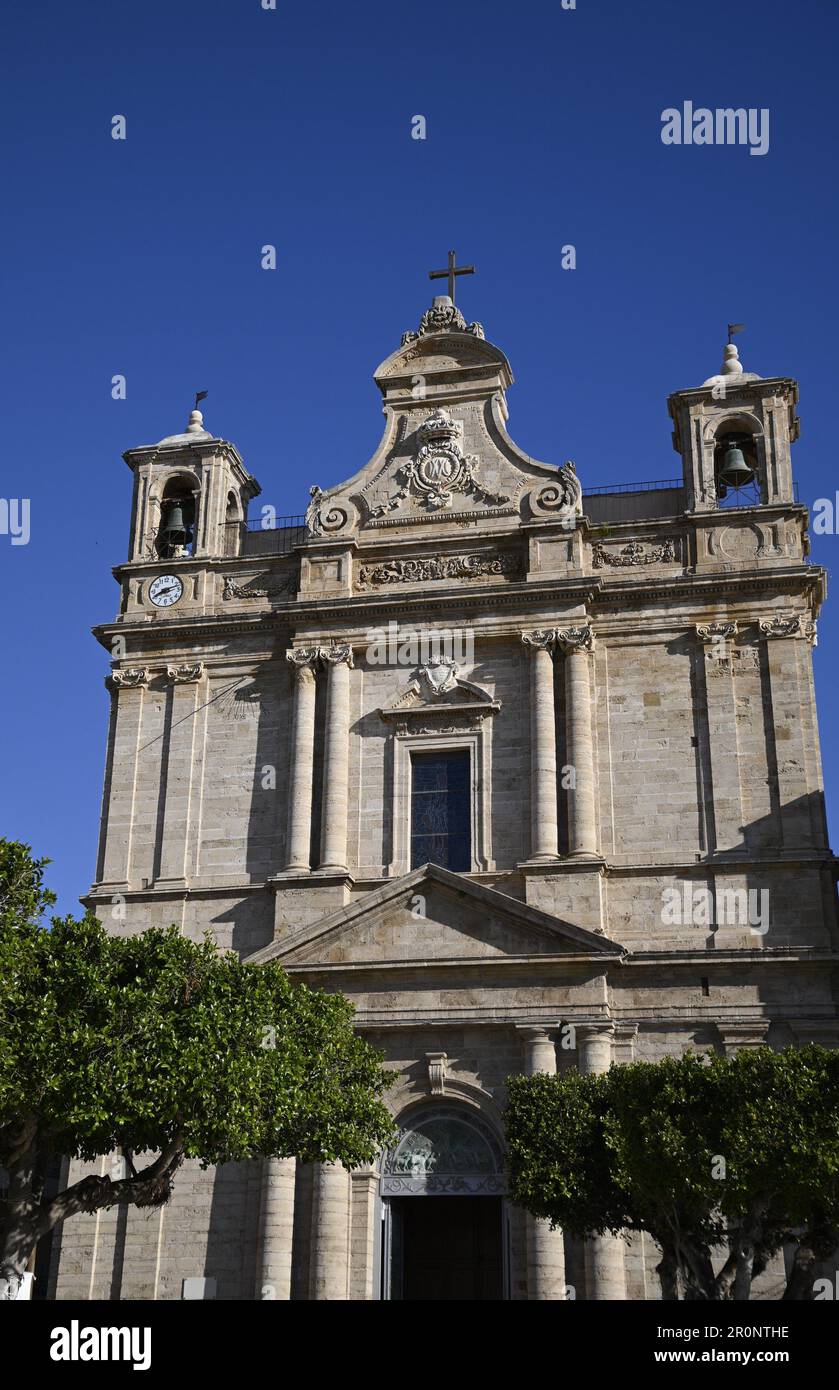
(436, 688)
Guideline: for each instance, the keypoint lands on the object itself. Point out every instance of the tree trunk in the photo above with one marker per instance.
(20, 1228)
(801, 1276)
(28, 1218)
(667, 1270)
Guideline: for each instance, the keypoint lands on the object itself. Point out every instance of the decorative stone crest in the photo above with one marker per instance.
(633, 554)
(185, 675)
(130, 678)
(439, 676)
(440, 469)
(442, 317)
(439, 567)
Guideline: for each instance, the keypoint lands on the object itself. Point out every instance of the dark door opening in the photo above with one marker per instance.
(446, 1248)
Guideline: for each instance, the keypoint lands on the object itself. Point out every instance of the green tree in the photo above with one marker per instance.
(155, 1045)
(722, 1160)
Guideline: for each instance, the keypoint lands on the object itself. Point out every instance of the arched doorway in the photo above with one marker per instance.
(446, 1226)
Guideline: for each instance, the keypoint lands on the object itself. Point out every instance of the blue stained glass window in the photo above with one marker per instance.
(440, 818)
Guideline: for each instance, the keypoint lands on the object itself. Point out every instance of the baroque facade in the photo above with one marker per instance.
(529, 772)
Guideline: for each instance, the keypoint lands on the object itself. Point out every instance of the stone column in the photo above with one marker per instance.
(333, 843)
(330, 1251)
(606, 1254)
(179, 752)
(364, 1214)
(544, 835)
(303, 660)
(545, 1248)
(725, 796)
(118, 803)
(576, 643)
(798, 786)
(273, 1275)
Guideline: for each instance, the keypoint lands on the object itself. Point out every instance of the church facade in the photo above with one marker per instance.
(529, 772)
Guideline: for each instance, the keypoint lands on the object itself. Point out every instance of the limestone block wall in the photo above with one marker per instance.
(646, 758)
(208, 1228)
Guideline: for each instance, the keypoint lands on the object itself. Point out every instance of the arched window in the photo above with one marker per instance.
(233, 525)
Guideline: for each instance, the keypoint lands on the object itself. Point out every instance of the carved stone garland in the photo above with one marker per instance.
(440, 567)
(633, 554)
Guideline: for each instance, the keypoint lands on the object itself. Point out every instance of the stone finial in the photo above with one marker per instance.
(195, 424)
(731, 368)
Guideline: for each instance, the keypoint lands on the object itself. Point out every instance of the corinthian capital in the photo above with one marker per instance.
(337, 654)
(541, 640)
(575, 639)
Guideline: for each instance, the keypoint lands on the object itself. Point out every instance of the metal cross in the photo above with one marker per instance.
(450, 272)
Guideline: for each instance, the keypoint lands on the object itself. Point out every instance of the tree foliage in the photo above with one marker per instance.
(161, 1046)
(722, 1160)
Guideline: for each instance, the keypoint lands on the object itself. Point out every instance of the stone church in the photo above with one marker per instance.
(528, 768)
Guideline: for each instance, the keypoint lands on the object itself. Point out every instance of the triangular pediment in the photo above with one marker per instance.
(434, 916)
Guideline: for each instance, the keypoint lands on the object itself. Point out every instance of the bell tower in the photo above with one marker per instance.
(191, 494)
(735, 432)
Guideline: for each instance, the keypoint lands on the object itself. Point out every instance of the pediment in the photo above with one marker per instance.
(437, 688)
(433, 916)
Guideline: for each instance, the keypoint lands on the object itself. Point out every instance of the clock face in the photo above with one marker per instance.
(165, 590)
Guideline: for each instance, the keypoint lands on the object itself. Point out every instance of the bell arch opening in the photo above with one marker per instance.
(178, 513)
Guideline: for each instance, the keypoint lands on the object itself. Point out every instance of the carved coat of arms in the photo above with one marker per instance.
(440, 468)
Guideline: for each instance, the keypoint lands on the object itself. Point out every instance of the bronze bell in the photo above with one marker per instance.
(735, 472)
(176, 531)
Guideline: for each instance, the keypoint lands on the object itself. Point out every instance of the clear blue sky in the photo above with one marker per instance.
(292, 127)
